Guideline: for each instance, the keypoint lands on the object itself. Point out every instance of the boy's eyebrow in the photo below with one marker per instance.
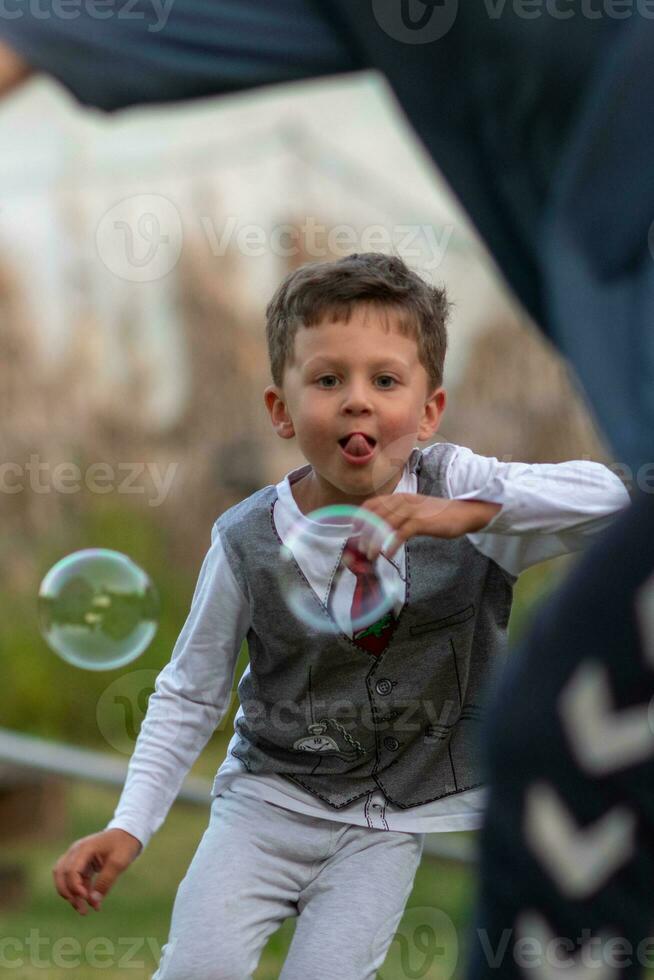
(386, 361)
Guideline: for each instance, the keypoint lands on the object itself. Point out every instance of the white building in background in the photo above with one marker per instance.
(97, 206)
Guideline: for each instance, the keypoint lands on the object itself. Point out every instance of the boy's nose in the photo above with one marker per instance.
(356, 399)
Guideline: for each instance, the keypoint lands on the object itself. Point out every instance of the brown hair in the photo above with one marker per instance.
(320, 290)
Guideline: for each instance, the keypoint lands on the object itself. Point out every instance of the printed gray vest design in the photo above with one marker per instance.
(342, 722)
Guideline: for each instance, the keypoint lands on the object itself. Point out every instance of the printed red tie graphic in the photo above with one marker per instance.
(367, 595)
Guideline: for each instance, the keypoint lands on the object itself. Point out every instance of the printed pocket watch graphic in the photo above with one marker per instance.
(318, 740)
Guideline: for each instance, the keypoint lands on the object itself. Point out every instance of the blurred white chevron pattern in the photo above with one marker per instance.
(549, 961)
(602, 738)
(578, 859)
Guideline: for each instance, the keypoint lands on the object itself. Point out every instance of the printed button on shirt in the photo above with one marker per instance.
(384, 686)
(391, 743)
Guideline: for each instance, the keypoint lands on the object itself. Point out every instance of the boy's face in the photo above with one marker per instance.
(357, 399)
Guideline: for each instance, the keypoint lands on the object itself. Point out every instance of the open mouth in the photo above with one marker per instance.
(358, 446)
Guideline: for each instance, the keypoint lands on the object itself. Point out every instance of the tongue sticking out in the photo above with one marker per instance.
(357, 445)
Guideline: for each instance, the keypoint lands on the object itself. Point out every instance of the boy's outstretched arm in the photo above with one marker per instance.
(518, 514)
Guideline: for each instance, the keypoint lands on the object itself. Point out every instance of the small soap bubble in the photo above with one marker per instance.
(323, 534)
(97, 609)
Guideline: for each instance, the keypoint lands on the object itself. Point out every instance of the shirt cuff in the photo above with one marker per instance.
(131, 827)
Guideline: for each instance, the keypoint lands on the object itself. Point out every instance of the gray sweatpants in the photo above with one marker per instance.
(258, 864)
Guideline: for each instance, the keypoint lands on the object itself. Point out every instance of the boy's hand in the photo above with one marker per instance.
(13, 69)
(409, 514)
(106, 854)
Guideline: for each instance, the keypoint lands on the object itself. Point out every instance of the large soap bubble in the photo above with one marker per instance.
(97, 609)
(321, 535)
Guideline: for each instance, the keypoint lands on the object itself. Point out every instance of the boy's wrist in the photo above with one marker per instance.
(471, 516)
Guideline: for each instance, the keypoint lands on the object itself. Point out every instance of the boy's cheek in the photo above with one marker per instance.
(315, 443)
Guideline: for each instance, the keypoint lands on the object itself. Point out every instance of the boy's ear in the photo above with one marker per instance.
(281, 420)
(432, 413)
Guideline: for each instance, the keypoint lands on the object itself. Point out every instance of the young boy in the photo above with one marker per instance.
(348, 747)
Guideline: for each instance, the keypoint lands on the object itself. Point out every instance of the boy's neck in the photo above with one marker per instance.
(311, 492)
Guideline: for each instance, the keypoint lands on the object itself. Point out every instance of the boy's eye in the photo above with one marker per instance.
(331, 380)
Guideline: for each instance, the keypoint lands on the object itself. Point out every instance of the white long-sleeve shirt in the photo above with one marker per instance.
(547, 509)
